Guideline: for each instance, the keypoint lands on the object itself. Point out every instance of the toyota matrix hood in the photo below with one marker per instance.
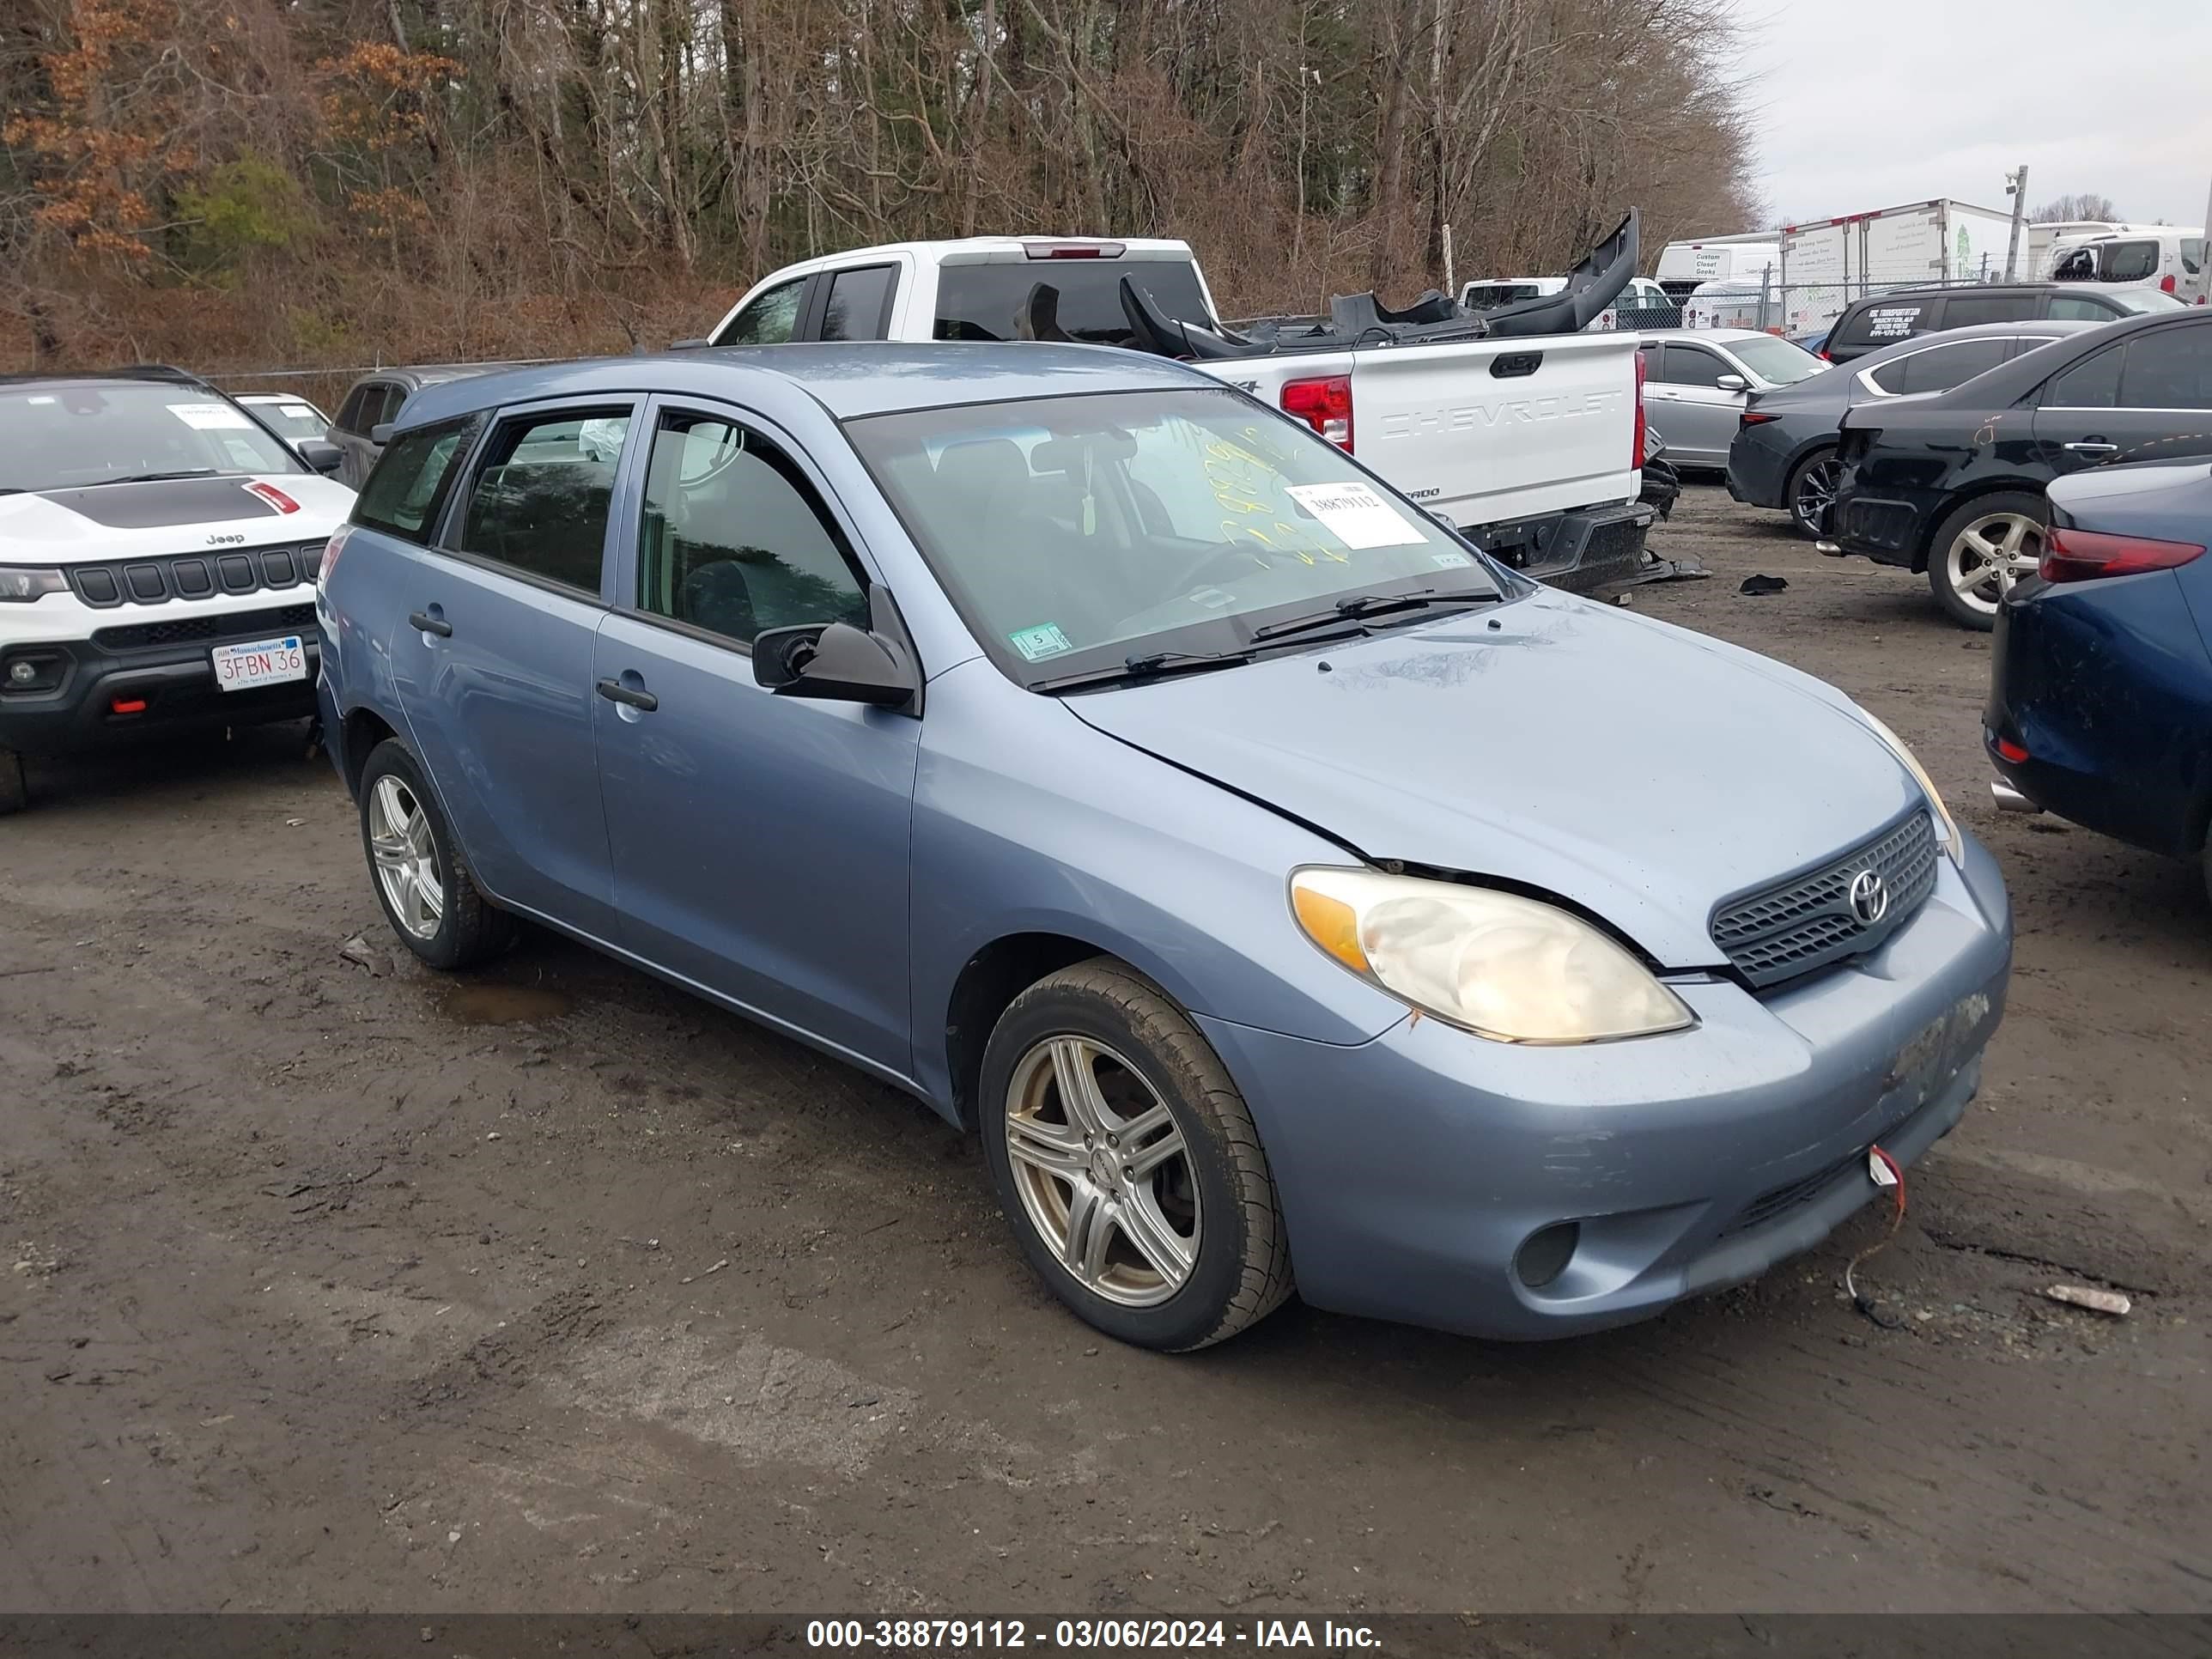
(169, 516)
(1641, 770)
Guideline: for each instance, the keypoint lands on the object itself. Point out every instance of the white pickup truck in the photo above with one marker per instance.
(1531, 442)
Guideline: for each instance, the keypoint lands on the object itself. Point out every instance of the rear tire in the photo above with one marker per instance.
(1980, 549)
(415, 865)
(1811, 489)
(1147, 1205)
(14, 791)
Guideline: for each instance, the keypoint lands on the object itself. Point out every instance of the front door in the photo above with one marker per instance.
(760, 842)
(2146, 397)
(492, 659)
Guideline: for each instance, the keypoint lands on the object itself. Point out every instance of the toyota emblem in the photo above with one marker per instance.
(1869, 897)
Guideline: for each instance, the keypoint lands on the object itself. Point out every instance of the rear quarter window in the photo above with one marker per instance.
(410, 482)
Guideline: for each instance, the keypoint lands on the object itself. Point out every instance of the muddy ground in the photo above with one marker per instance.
(332, 1285)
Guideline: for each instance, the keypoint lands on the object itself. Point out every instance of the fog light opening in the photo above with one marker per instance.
(1545, 1254)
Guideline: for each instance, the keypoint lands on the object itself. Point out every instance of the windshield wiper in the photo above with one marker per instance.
(1159, 664)
(161, 477)
(1361, 606)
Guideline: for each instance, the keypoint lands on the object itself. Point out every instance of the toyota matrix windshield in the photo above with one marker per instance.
(1077, 532)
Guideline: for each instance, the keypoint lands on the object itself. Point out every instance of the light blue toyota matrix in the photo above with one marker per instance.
(1286, 892)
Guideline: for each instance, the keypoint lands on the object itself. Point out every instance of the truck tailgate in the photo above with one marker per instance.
(1484, 431)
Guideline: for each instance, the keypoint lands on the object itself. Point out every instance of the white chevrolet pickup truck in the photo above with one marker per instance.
(1508, 423)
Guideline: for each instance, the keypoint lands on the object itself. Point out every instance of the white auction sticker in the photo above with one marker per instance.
(212, 417)
(1356, 515)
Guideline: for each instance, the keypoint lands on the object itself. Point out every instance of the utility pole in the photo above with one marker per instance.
(2016, 187)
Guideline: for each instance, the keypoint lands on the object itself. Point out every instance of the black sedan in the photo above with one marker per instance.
(1784, 453)
(1952, 484)
(2101, 692)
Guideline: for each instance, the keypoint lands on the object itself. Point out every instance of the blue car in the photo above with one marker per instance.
(1284, 891)
(2100, 693)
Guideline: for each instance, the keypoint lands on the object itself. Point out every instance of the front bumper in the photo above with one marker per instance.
(1413, 1169)
(175, 681)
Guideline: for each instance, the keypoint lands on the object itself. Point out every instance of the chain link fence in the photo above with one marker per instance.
(1784, 308)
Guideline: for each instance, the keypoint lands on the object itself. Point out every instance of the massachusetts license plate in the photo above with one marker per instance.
(263, 662)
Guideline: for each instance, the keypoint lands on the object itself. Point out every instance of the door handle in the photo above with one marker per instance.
(2094, 449)
(430, 624)
(615, 692)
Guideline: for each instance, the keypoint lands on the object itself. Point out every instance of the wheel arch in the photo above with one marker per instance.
(361, 730)
(1962, 497)
(987, 985)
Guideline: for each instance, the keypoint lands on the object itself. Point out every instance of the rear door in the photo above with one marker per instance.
(2146, 397)
(760, 842)
(491, 656)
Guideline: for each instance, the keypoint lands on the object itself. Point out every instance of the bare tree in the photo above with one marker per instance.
(2082, 204)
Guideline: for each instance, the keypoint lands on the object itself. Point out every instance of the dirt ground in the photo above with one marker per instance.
(332, 1285)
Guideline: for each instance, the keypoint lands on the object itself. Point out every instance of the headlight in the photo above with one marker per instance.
(1947, 828)
(22, 583)
(1501, 966)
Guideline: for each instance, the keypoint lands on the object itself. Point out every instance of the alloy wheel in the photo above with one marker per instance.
(1816, 493)
(1989, 555)
(1103, 1170)
(406, 854)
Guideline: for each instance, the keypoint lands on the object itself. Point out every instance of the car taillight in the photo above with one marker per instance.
(330, 550)
(1752, 417)
(1636, 458)
(2165, 284)
(2080, 555)
(1323, 405)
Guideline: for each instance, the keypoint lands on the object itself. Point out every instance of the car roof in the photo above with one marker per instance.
(1721, 336)
(274, 397)
(422, 374)
(848, 380)
(1979, 289)
(142, 374)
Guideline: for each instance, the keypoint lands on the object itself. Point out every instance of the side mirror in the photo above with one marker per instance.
(380, 434)
(1733, 383)
(320, 454)
(834, 661)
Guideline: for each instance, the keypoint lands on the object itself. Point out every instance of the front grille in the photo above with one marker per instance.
(189, 630)
(1768, 1205)
(162, 580)
(1807, 922)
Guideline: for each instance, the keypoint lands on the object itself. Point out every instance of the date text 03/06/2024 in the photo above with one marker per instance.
(1170, 1635)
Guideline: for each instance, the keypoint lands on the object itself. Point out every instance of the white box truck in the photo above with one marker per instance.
(1737, 260)
(1827, 265)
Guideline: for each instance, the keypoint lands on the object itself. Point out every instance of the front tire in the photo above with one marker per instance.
(1128, 1164)
(14, 790)
(415, 867)
(1980, 549)
(1812, 490)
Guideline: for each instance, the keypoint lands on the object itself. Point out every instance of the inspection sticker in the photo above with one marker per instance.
(1355, 515)
(212, 417)
(1043, 640)
(1449, 561)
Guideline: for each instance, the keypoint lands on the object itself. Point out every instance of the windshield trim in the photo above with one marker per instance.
(1505, 584)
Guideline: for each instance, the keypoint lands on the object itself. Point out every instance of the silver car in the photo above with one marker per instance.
(1695, 386)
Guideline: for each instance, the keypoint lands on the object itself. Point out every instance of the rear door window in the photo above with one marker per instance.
(1941, 367)
(770, 320)
(538, 503)
(403, 495)
(2168, 368)
(349, 411)
(860, 304)
(2092, 383)
(2082, 308)
(1061, 299)
(1971, 310)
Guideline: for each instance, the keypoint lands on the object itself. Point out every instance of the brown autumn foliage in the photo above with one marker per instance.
(229, 183)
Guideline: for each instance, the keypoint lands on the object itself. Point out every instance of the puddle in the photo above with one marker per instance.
(502, 1005)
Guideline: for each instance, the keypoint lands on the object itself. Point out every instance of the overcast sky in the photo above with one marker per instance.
(1862, 104)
